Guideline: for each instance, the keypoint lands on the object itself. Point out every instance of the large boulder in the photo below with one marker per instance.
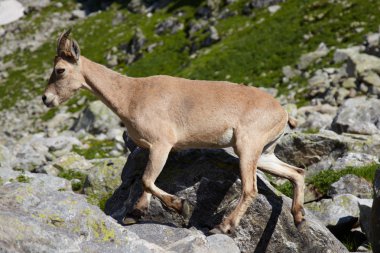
(339, 214)
(326, 149)
(34, 151)
(351, 184)
(358, 115)
(96, 118)
(44, 215)
(209, 180)
(10, 10)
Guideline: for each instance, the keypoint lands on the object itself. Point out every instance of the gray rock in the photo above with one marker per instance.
(104, 177)
(289, 72)
(208, 179)
(40, 217)
(303, 149)
(78, 14)
(183, 240)
(375, 217)
(351, 184)
(354, 159)
(67, 162)
(309, 58)
(342, 55)
(6, 157)
(212, 38)
(372, 44)
(10, 11)
(32, 151)
(274, 8)
(96, 118)
(316, 117)
(358, 115)
(171, 25)
(137, 6)
(358, 64)
(340, 213)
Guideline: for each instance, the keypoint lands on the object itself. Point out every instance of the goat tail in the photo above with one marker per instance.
(292, 122)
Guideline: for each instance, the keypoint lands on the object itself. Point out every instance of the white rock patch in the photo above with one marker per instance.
(10, 10)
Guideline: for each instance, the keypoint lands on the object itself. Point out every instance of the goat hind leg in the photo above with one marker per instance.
(249, 191)
(271, 164)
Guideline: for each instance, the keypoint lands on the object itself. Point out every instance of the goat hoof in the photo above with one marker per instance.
(215, 231)
(300, 224)
(186, 212)
(130, 220)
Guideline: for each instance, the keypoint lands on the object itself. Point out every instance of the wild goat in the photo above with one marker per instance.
(162, 113)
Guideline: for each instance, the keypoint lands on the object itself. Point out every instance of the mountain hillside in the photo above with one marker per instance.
(319, 58)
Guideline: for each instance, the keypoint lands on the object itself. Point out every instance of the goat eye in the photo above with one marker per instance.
(59, 71)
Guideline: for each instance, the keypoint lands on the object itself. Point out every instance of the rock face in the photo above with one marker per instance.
(96, 118)
(351, 184)
(10, 10)
(328, 150)
(208, 179)
(44, 215)
(339, 213)
(358, 115)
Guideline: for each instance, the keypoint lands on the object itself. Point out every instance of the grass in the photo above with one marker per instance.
(95, 149)
(252, 50)
(325, 178)
(23, 179)
(70, 175)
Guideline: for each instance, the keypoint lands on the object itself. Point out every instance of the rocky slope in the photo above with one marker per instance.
(61, 169)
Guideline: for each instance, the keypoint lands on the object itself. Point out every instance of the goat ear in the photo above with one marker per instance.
(75, 50)
(62, 42)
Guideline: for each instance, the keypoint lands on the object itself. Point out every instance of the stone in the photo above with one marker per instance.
(212, 38)
(183, 240)
(10, 11)
(105, 176)
(309, 58)
(358, 115)
(354, 159)
(342, 55)
(96, 118)
(371, 78)
(171, 25)
(358, 64)
(41, 216)
(78, 14)
(375, 218)
(339, 214)
(289, 72)
(303, 149)
(274, 8)
(208, 179)
(67, 162)
(351, 184)
(316, 117)
(137, 6)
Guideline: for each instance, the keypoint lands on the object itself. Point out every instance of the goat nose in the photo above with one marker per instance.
(44, 98)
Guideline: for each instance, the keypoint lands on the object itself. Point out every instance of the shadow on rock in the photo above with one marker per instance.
(209, 180)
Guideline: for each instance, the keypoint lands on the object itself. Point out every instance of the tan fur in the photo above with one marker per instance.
(162, 113)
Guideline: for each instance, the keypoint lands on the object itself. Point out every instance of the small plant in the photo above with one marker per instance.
(23, 179)
(76, 185)
(286, 188)
(325, 178)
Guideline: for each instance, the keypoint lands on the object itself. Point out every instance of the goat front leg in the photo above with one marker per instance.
(158, 155)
